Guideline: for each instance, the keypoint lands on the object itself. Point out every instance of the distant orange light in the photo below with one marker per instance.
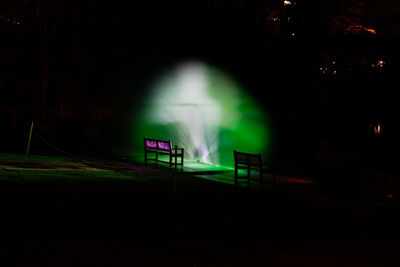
(377, 129)
(359, 29)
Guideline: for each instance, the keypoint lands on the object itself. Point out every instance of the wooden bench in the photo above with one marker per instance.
(247, 161)
(162, 147)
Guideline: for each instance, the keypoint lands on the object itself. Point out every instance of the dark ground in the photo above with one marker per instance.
(122, 222)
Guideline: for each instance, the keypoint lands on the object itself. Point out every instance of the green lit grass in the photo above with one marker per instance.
(35, 158)
(151, 179)
(41, 169)
(57, 175)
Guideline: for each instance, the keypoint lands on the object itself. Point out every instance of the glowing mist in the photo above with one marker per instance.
(203, 110)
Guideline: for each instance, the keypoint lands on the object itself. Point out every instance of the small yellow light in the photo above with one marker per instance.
(287, 3)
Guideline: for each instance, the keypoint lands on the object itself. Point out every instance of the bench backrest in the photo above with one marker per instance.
(157, 144)
(247, 159)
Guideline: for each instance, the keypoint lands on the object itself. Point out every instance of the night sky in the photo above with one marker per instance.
(324, 71)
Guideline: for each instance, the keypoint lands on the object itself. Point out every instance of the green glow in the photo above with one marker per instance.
(205, 111)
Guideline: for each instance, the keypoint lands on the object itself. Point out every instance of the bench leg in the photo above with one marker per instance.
(261, 177)
(182, 159)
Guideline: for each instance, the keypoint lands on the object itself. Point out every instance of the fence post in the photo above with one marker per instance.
(29, 139)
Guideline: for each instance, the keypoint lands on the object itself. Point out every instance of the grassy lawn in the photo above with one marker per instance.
(68, 175)
(60, 175)
(18, 167)
(35, 158)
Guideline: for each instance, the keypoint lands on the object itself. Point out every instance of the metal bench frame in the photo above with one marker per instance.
(247, 161)
(162, 147)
